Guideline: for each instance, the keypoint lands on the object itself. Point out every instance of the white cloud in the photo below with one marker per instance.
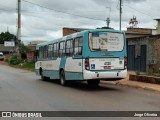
(42, 24)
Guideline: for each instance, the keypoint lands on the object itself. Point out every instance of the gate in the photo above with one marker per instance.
(143, 58)
(131, 57)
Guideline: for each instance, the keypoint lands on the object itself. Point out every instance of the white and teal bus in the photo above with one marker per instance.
(90, 55)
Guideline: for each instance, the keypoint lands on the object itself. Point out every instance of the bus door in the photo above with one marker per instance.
(74, 62)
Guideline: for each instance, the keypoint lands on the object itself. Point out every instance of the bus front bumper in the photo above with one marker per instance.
(109, 75)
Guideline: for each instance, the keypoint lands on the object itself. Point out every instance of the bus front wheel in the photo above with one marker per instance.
(62, 78)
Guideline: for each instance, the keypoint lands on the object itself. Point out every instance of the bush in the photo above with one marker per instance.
(14, 60)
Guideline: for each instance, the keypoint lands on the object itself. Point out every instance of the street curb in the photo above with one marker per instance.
(130, 85)
(137, 86)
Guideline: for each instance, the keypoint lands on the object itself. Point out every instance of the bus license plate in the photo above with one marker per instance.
(107, 67)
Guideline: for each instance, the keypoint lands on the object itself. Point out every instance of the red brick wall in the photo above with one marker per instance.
(30, 57)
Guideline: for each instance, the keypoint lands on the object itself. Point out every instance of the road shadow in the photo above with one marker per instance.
(86, 87)
(82, 85)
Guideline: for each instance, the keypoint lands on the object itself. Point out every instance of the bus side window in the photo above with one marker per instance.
(62, 49)
(37, 54)
(78, 44)
(43, 52)
(55, 50)
(69, 47)
(40, 53)
(50, 51)
(46, 52)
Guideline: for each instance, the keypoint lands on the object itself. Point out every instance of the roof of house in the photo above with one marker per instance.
(34, 43)
(157, 19)
(130, 34)
(32, 48)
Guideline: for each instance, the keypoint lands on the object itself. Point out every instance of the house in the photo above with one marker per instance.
(143, 53)
(143, 49)
(32, 47)
(6, 50)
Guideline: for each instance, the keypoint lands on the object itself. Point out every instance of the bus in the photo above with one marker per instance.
(90, 55)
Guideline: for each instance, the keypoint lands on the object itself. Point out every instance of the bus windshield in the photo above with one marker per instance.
(106, 41)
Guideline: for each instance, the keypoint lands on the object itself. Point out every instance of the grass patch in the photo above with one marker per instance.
(15, 61)
(28, 66)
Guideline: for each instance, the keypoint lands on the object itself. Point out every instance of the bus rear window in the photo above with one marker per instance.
(106, 41)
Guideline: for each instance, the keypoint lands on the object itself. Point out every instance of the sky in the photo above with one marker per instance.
(45, 19)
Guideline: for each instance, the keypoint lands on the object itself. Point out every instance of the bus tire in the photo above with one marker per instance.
(93, 82)
(62, 78)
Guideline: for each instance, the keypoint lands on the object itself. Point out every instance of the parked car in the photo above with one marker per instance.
(1, 56)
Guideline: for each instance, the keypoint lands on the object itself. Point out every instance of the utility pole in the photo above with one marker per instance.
(19, 21)
(120, 14)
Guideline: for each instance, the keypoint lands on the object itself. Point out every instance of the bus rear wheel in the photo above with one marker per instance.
(93, 82)
(62, 78)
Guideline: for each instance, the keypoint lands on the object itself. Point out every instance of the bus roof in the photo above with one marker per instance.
(76, 34)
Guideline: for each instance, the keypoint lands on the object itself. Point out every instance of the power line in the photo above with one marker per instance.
(138, 10)
(118, 2)
(48, 12)
(7, 10)
(31, 15)
(62, 11)
(58, 19)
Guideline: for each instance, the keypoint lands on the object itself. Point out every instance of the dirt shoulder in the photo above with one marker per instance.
(3, 62)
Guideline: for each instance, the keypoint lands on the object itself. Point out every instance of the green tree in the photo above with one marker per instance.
(7, 36)
(23, 49)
